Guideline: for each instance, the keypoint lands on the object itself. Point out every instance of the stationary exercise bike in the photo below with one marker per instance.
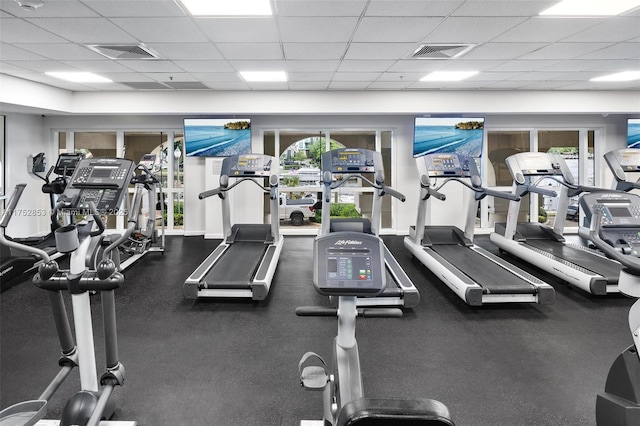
(97, 186)
(347, 265)
(612, 217)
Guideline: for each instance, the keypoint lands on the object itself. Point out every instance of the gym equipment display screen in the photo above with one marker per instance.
(457, 135)
(354, 267)
(633, 133)
(215, 137)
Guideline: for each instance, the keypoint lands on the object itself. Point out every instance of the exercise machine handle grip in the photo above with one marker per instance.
(209, 193)
(393, 193)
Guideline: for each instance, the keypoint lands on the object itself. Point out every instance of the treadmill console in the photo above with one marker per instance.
(526, 164)
(352, 160)
(620, 223)
(450, 165)
(348, 264)
(148, 160)
(101, 180)
(248, 165)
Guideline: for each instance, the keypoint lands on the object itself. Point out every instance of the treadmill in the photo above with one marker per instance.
(476, 275)
(243, 265)
(543, 246)
(339, 167)
(621, 162)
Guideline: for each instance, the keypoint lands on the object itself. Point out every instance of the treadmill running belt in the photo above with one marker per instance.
(605, 267)
(491, 277)
(236, 267)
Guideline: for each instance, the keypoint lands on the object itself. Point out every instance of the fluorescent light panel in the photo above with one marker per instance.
(264, 75)
(79, 77)
(228, 7)
(590, 7)
(448, 75)
(620, 76)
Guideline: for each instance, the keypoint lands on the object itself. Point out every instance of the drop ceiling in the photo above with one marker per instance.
(321, 44)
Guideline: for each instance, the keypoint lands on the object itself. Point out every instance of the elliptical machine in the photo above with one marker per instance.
(610, 217)
(97, 186)
(347, 265)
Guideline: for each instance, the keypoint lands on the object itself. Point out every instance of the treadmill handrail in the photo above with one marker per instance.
(219, 190)
(4, 222)
(481, 191)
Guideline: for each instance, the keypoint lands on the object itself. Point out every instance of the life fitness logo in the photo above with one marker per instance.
(610, 196)
(348, 243)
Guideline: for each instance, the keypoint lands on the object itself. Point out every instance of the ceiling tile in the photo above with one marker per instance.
(310, 76)
(522, 65)
(298, 51)
(503, 8)
(140, 8)
(471, 30)
(62, 51)
(540, 76)
(617, 51)
(42, 66)
(19, 31)
(338, 29)
(52, 9)
(320, 8)
(234, 30)
(401, 77)
(205, 66)
(258, 65)
(85, 30)
(356, 76)
(212, 77)
(470, 65)
(394, 29)
(416, 65)
(158, 30)
(348, 85)
(378, 51)
(98, 66)
(10, 52)
(539, 29)
(412, 7)
(250, 51)
(572, 65)
(312, 66)
(126, 76)
(363, 66)
(493, 76)
(152, 66)
(502, 50)
(615, 29)
(564, 50)
(186, 51)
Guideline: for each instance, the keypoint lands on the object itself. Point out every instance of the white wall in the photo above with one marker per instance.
(25, 137)
(198, 176)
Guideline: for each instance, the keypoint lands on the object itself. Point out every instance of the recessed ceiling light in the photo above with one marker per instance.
(264, 75)
(228, 8)
(590, 7)
(448, 75)
(79, 77)
(620, 76)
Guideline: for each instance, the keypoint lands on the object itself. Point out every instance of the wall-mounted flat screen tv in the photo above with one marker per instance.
(633, 133)
(217, 137)
(448, 135)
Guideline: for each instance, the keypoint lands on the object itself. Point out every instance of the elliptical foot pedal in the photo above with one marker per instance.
(313, 371)
(26, 413)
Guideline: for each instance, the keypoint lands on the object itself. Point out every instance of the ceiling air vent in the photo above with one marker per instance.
(124, 51)
(441, 51)
(146, 85)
